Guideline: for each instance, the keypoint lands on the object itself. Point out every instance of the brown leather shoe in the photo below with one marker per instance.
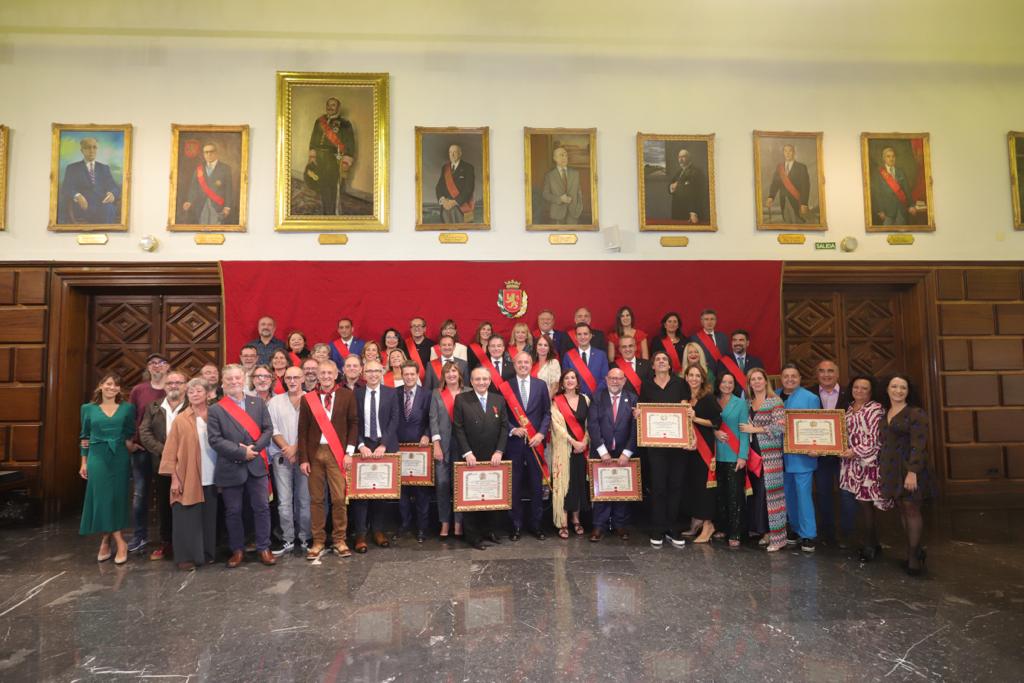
(341, 550)
(315, 552)
(596, 535)
(186, 566)
(622, 534)
(381, 540)
(235, 559)
(361, 544)
(267, 557)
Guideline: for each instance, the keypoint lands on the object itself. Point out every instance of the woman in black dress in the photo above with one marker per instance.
(707, 417)
(570, 444)
(666, 465)
(671, 340)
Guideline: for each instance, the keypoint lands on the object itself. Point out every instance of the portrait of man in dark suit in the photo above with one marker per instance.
(209, 177)
(789, 181)
(791, 185)
(210, 196)
(676, 175)
(897, 181)
(90, 169)
(451, 180)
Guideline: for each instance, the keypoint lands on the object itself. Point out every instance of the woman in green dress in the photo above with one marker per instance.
(108, 422)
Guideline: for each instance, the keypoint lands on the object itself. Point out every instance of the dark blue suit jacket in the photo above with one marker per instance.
(562, 342)
(538, 410)
(603, 431)
(356, 347)
(76, 181)
(225, 435)
(722, 341)
(418, 425)
(597, 362)
(388, 410)
(749, 363)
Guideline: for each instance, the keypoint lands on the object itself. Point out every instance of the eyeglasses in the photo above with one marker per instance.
(261, 376)
(173, 384)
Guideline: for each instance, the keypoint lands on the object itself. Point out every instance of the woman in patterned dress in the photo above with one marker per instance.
(858, 476)
(904, 471)
(767, 423)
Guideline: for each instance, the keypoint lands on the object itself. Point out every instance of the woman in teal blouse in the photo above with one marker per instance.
(731, 450)
(108, 421)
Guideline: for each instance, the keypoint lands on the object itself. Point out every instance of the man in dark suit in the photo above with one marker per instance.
(524, 450)
(455, 188)
(710, 337)
(88, 193)
(635, 370)
(891, 203)
(481, 431)
(792, 184)
(546, 328)
(738, 358)
(500, 360)
(597, 338)
(241, 468)
(691, 201)
(419, 341)
(612, 430)
(826, 478)
(156, 421)
(378, 428)
(320, 463)
(210, 199)
(414, 427)
(446, 345)
(346, 344)
(586, 355)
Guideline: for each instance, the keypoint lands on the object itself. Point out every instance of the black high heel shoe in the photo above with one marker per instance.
(870, 552)
(922, 555)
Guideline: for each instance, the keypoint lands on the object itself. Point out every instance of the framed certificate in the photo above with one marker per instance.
(610, 481)
(483, 486)
(375, 478)
(664, 425)
(417, 464)
(815, 432)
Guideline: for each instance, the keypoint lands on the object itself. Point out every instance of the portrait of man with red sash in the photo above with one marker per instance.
(211, 198)
(790, 187)
(892, 201)
(332, 152)
(455, 188)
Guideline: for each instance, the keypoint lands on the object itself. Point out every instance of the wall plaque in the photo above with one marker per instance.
(675, 241)
(453, 238)
(98, 238)
(900, 239)
(565, 238)
(210, 238)
(332, 238)
(790, 238)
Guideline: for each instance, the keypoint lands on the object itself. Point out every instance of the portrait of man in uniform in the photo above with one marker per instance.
(561, 179)
(789, 181)
(89, 177)
(897, 182)
(452, 180)
(676, 182)
(209, 178)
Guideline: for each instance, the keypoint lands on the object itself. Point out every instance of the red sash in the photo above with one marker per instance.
(326, 427)
(709, 344)
(753, 458)
(582, 369)
(486, 364)
(414, 355)
(523, 421)
(513, 351)
(388, 379)
(535, 370)
(735, 371)
(342, 348)
(437, 364)
(296, 361)
(572, 335)
(707, 454)
(436, 350)
(330, 134)
(449, 403)
(570, 418)
(251, 428)
(453, 191)
(279, 387)
(672, 353)
(630, 373)
(790, 187)
(207, 190)
(478, 351)
(893, 185)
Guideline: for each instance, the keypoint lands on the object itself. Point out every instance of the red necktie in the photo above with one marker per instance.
(327, 400)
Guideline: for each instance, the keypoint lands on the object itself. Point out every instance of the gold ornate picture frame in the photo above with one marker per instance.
(1016, 144)
(897, 200)
(789, 181)
(676, 183)
(561, 195)
(453, 184)
(90, 177)
(209, 178)
(332, 151)
(5, 145)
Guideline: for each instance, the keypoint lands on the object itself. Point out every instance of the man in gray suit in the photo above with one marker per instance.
(562, 191)
(241, 465)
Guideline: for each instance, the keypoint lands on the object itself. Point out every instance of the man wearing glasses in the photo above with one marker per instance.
(153, 430)
(143, 394)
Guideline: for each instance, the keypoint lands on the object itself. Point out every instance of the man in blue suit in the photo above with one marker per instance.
(88, 193)
(346, 344)
(414, 427)
(585, 357)
(738, 360)
(533, 397)
(714, 343)
(799, 477)
(546, 328)
(240, 468)
(612, 430)
(379, 409)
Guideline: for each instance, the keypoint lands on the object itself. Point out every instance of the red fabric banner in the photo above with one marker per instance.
(382, 294)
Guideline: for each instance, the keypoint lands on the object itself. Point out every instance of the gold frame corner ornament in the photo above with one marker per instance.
(56, 130)
(866, 165)
(483, 178)
(285, 221)
(641, 184)
(759, 198)
(591, 134)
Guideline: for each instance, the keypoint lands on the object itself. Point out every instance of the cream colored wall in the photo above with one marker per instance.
(724, 66)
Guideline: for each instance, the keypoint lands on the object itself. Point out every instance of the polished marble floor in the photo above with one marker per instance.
(529, 611)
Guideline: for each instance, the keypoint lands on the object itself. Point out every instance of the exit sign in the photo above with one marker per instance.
(824, 246)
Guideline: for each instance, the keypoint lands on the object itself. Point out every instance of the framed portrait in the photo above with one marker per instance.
(1016, 140)
(90, 177)
(209, 178)
(561, 178)
(897, 182)
(453, 185)
(676, 176)
(789, 181)
(5, 138)
(332, 151)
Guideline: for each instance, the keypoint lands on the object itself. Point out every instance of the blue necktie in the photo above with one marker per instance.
(483, 404)
(374, 433)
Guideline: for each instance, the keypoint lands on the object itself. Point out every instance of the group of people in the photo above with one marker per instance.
(267, 443)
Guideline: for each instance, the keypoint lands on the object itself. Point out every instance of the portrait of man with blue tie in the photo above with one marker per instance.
(88, 177)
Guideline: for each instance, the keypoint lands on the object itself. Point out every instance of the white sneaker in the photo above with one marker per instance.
(656, 542)
(286, 548)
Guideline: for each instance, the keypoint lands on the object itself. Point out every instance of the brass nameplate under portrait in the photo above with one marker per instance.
(332, 238)
(453, 238)
(210, 238)
(563, 239)
(900, 239)
(675, 241)
(97, 238)
(790, 238)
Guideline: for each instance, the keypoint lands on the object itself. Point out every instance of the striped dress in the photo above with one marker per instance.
(772, 416)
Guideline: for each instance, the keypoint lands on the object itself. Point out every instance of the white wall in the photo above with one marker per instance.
(726, 66)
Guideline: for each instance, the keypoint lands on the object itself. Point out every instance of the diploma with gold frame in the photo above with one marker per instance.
(610, 481)
(664, 425)
(375, 478)
(417, 464)
(815, 432)
(483, 486)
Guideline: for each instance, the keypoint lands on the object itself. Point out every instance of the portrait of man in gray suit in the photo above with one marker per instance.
(561, 178)
(562, 196)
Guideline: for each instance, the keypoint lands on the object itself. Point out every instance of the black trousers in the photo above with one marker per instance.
(667, 472)
(477, 525)
(163, 505)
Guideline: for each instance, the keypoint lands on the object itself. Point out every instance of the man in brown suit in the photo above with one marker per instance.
(321, 463)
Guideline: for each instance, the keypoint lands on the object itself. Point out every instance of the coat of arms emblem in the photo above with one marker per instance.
(512, 300)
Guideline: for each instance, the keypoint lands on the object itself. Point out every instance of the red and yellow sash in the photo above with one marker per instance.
(207, 190)
(453, 191)
(326, 427)
(252, 429)
(414, 355)
(330, 134)
(342, 348)
(575, 428)
(630, 373)
(707, 454)
(893, 185)
(753, 458)
(709, 344)
(523, 421)
(672, 353)
(581, 368)
(787, 183)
